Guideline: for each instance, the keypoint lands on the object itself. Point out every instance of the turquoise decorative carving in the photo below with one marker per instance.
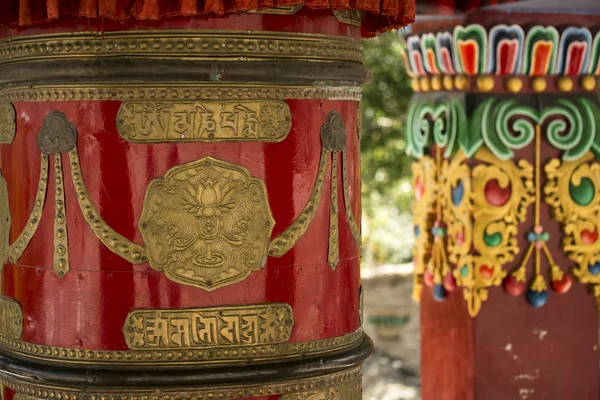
(503, 126)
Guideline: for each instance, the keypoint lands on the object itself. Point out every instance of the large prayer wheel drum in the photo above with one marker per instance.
(180, 202)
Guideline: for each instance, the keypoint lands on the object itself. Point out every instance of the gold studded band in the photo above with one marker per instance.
(173, 91)
(278, 351)
(344, 385)
(183, 44)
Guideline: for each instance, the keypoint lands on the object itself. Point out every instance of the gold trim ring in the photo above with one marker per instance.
(183, 45)
(216, 355)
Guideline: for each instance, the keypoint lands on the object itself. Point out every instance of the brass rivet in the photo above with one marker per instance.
(448, 82)
(485, 83)
(539, 84)
(425, 85)
(414, 84)
(461, 82)
(514, 84)
(565, 84)
(436, 83)
(588, 83)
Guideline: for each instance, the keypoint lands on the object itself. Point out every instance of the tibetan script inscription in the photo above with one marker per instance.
(11, 318)
(208, 121)
(206, 223)
(350, 390)
(226, 326)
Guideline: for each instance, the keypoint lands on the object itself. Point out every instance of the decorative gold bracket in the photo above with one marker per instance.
(333, 139)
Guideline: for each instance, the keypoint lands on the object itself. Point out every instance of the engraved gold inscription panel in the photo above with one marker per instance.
(11, 318)
(208, 121)
(206, 223)
(246, 325)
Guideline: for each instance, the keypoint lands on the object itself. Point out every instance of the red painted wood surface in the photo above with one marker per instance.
(447, 363)
(87, 308)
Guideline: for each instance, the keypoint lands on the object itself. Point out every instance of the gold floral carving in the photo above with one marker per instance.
(223, 121)
(499, 222)
(11, 319)
(425, 182)
(173, 91)
(350, 390)
(61, 242)
(331, 383)
(158, 357)
(8, 127)
(227, 327)
(288, 239)
(580, 219)
(5, 220)
(334, 246)
(187, 44)
(351, 17)
(19, 246)
(57, 135)
(333, 140)
(118, 244)
(354, 228)
(456, 173)
(206, 223)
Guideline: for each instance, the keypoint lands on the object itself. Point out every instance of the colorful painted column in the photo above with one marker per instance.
(180, 199)
(505, 130)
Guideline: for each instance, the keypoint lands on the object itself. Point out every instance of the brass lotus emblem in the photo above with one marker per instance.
(206, 223)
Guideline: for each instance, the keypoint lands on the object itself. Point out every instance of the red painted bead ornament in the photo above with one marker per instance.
(449, 282)
(495, 194)
(486, 271)
(419, 189)
(588, 237)
(562, 285)
(428, 279)
(513, 286)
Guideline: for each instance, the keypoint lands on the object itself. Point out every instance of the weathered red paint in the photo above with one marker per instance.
(446, 348)
(87, 308)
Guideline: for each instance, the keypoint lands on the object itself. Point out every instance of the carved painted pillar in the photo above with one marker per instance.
(505, 129)
(180, 202)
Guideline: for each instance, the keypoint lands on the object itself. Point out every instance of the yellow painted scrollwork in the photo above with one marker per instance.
(482, 208)
(501, 193)
(425, 183)
(573, 193)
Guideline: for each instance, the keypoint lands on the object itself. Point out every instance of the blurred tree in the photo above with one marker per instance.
(386, 188)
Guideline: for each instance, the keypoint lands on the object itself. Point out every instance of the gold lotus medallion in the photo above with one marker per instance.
(207, 223)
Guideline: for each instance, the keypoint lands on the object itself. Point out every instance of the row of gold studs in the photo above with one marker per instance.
(513, 84)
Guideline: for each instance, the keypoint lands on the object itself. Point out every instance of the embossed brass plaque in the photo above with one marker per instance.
(206, 223)
(11, 318)
(226, 326)
(348, 390)
(208, 121)
(8, 127)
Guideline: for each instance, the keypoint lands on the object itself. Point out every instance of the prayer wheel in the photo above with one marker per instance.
(180, 199)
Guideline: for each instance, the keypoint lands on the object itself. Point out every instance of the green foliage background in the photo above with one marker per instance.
(386, 184)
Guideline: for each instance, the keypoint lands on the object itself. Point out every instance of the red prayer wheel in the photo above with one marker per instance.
(180, 200)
